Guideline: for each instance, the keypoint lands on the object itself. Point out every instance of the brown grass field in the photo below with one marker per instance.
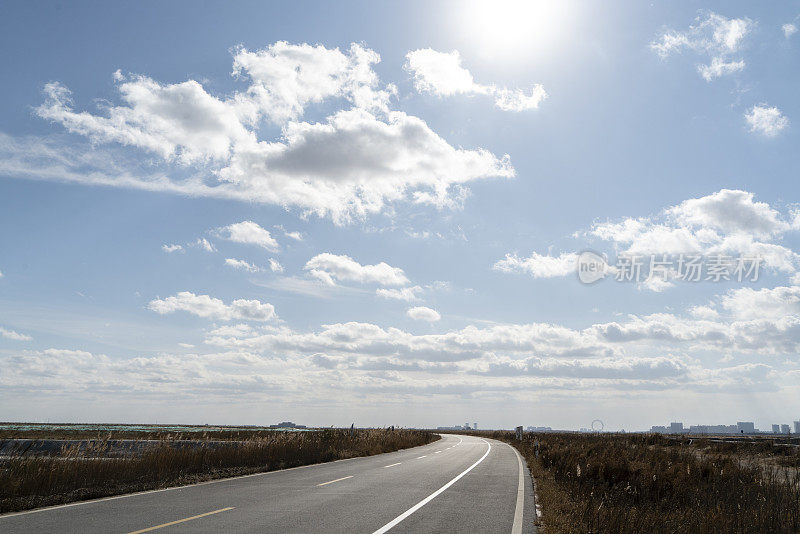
(648, 483)
(33, 481)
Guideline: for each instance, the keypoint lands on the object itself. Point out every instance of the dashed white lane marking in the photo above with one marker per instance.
(437, 452)
(150, 529)
(392, 465)
(394, 522)
(332, 481)
(423, 456)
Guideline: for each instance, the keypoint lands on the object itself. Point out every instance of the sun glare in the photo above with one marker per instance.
(521, 27)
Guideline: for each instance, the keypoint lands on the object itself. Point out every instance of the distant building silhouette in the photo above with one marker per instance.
(287, 424)
(746, 427)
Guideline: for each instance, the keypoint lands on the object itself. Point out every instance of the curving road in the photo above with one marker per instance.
(457, 484)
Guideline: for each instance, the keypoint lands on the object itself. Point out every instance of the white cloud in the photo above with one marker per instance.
(180, 122)
(421, 313)
(15, 336)
(241, 264)
(407, 294)
(352, 164)
(703, 312)
(441, 73)
(639, 353)
(712, 35)
(203, 243)
(1, 274)
(752, 304)
(250, 233)
(719, 67)
(297, 236)
(789, 30)
(213, 308)
(331, 268)
(275, 266)
(767, 121)
(287, 77)
(539, 265)
(725, 222)
(171, 248)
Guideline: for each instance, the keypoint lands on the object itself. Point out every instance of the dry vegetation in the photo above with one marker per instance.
(646, 483)
(28, 482)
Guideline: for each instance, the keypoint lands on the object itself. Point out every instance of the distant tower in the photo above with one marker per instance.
(797, 427)
(466, 426)
(474, 426)
(776, 429)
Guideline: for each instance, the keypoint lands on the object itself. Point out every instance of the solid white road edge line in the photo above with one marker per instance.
(392, 465)
(394, 522)
(516, 528)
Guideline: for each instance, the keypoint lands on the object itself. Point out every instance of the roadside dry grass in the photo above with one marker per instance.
(29, 482)
(645, 483)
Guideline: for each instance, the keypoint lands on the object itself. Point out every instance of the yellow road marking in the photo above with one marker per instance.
(332, 481)
(392, 465)
(182, 520)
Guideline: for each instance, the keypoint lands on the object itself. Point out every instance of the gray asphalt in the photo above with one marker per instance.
(372, 497)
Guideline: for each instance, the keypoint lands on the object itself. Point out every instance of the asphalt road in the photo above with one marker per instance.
(457, 484)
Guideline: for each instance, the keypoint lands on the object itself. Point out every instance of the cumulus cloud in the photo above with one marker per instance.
(638, 348)
(421, 313)
(249, 233)
(213, 308)
(728, 225)
(287, 77)
(297, 236)
(203, 243)
(14, 336)
(753, 304)
(171, 248)
(441, 73)
(353, 163)
(725, 222)
(539, 265)
(789, 30)
(241, 264)
(275, 266)
(407, 294)
(331, 268)
(714, 36)
(767, 121)
(657, 352)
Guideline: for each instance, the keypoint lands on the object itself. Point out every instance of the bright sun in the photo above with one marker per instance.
(515, 26)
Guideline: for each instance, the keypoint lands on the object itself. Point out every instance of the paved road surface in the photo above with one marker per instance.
(457, 484)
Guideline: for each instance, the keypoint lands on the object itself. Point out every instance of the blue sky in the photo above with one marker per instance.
(379, 207)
